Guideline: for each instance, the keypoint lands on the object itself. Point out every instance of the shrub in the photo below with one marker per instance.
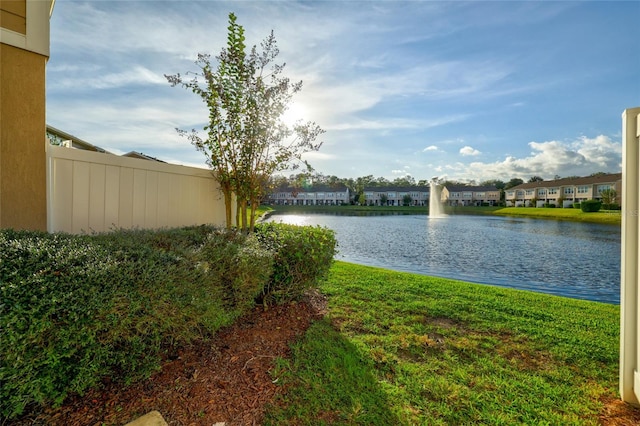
(576, 205)
(51, 289)
(590, 206)
(303, 255)
(76, 309)
(241, 265)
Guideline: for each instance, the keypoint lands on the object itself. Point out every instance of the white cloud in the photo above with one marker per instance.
(467, 150)
(404, 171)
(430, 148)
(138, 75)
(600, 151)
(581, 157)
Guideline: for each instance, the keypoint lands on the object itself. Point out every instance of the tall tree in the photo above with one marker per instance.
(535, 179)
(493, 182)
(513, 182)
(247, 140)
(609, 197)
(407, 180)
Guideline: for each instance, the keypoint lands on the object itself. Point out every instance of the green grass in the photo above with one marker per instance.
(482, 210)
(604, 216)
(399, 348)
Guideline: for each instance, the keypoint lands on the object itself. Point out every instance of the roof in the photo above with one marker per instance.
(313, 188)
(71, 141)
(463, 188)
(571, 181)
(75, 141)
(136, 154)
(397, 188)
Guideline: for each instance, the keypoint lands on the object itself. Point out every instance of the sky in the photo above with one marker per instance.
(466, 91)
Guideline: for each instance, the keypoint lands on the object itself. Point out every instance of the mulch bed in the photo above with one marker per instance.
(224, 380)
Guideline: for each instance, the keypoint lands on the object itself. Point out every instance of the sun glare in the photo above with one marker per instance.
(295, 112)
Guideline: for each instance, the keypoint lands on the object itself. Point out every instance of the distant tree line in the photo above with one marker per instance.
(356, 186)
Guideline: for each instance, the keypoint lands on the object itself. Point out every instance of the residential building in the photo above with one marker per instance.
(310, 196)
(395, 196)
(461, 195)
(67, 140)
(24, 51)
(59, 137)
(563, 192)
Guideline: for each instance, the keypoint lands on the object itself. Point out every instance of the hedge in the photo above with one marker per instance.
(590, 206)
(77, 309)
(303, 255)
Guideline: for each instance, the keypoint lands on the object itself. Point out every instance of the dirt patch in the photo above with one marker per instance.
(618, 413)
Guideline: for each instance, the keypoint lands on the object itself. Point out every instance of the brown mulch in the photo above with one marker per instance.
(226, 380)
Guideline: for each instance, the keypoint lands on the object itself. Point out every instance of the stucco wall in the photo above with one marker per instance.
(22, 139)
(13, 15)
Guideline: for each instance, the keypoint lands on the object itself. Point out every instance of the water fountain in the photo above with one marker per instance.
(435, 206)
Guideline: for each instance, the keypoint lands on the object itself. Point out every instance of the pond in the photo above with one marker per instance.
(572, 259)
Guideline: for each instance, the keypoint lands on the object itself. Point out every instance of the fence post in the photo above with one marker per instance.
(629, 294)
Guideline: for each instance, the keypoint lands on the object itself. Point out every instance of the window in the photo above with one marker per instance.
(520, 193)
(568, 190)
(510, 194)
(583, 189)
(467, 194)
(480, 194)
(542, 192)
(529, 192)
(603, 188)
(553, 191)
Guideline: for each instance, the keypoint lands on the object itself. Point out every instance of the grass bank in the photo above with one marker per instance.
(399, 348)
(613, 217)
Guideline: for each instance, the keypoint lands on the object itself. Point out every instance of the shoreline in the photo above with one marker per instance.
(612, 217)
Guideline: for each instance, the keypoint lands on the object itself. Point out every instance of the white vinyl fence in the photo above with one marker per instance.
(629, 292)
(96, 192)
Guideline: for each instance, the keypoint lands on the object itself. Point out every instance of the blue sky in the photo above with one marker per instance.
(460, 90)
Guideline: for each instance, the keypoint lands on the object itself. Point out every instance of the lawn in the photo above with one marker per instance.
(604, 216)
(398, 348)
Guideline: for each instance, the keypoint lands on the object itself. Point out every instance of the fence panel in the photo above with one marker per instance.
(96, 192)
(630, 257)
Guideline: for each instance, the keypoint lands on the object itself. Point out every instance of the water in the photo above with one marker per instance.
(571, 259)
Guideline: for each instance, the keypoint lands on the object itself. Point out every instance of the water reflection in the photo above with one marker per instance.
(572, 259)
